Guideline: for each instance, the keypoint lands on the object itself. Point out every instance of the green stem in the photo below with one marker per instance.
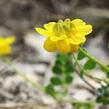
(7, 60)
(93, 59)
(98, 79)
(63, 81)
(64, 84)
(87, 74)
(81, 102)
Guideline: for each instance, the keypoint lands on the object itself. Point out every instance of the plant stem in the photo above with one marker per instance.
(7, 60)
(93, 89)
(76, 63)
(89, 75)
(98, 79)
(73, 101)
(63, 81)
(95, 60)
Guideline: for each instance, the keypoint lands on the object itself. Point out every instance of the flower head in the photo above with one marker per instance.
(64, 36)
(5, 47)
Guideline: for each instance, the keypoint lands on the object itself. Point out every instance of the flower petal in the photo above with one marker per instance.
(9, 39)
(42, 31)
(77, 39)
(49, 26)
(78, 22)
(63, 46)
(6, 49)
(49, 45)
(84, 30)
(56, 38)
(74, 47)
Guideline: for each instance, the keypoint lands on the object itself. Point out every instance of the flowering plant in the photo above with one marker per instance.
(5, 43)
(67, 37)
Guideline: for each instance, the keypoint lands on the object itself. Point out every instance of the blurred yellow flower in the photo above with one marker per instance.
(5, 45)
(64, 36)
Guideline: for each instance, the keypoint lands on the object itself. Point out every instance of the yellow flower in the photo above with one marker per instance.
(5, 43)
(64, 36)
